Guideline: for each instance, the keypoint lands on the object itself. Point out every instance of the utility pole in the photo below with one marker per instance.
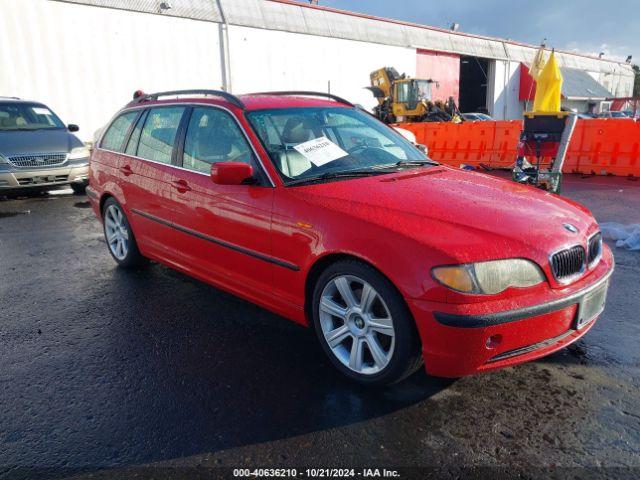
(225, 56)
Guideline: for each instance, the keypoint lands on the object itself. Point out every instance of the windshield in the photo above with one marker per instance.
(413, 91)
(27, 116)
(423, 89)
(309, 143)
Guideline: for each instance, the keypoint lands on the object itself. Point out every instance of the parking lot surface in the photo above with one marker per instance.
(106, 373)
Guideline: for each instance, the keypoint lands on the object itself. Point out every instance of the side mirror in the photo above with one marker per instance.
(231, 173)
(423, 148)
(73, 128)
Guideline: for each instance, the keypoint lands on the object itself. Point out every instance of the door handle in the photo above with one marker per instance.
(126, 170)
(182, 186)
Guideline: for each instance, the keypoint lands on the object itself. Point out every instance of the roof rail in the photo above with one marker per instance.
(309, 94)
(11, 98)
(145, 97)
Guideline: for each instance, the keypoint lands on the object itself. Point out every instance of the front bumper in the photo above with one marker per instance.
(23, 178)
(459, 340)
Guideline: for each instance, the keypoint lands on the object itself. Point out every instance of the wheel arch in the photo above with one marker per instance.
(324, 262)
(321, 264)
(103, 199)
(112, 190)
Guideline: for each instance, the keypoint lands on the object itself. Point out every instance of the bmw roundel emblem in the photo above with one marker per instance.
(570, 228)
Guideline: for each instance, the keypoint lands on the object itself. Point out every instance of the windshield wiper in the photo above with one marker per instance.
(333, 175)
(406, 163)
(411, 163)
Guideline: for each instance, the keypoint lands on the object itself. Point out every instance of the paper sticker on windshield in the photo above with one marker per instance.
(320, 151)
(41, 111)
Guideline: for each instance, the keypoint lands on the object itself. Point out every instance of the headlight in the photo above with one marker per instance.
(78, 153)
(489, 278)
(3, 160)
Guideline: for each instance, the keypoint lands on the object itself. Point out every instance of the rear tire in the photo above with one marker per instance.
(121, 242)
(364, 325)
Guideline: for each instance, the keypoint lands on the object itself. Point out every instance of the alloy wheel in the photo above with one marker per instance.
(117, 232)
(357, 324)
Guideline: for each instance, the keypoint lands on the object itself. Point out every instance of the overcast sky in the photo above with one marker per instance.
(587, 26)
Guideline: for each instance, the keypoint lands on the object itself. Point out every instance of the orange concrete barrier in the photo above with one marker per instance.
(605, 146)
(600, 146)
(505, 143)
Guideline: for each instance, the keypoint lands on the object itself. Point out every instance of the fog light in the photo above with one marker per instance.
(493, 341)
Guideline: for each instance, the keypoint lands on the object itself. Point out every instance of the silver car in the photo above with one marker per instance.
(476, 117)
(37, 150)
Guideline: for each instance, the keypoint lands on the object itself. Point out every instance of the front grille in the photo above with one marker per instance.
(43, 180)
(567, 263)
(595, 248)
(38, 160)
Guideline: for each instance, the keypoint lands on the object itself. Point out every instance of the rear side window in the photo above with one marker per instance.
(132, 146)
(114, 138)
(159, 134)
(213, 136)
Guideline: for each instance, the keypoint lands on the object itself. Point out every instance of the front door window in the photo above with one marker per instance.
(214, 136)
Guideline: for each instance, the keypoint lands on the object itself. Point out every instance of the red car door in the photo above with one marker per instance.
(147, 172)
(109, 154)
(223, 231)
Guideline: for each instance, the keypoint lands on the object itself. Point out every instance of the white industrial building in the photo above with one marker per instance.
(85, 58)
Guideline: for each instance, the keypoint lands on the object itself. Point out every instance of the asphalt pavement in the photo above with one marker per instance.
(106, 373)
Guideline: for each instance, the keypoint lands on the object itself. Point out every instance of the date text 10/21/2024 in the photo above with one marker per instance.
(315, 473)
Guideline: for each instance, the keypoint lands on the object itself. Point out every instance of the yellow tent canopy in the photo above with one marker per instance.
(548, 86)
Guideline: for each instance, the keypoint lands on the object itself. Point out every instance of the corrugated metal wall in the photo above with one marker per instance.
(259, 63)
(86, 61)
(301, 19)
(287, 17)
(194, 9)
(503, 90)
(274, 15)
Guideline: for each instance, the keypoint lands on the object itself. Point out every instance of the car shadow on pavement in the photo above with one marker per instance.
(206, 371)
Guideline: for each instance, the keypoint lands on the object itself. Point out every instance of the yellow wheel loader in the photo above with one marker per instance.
(404, 99)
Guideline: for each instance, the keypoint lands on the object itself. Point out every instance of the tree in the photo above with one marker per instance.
(636, 85)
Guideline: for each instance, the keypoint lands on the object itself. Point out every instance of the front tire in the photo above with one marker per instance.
(79, 188)
(364, 325)
(119, 236)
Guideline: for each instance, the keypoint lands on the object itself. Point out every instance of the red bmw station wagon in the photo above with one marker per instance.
(308, 206)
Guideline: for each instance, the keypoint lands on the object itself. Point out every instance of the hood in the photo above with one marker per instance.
(37, 141)
(469, 216)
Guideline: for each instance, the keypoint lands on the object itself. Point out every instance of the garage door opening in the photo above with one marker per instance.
(473, 84)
